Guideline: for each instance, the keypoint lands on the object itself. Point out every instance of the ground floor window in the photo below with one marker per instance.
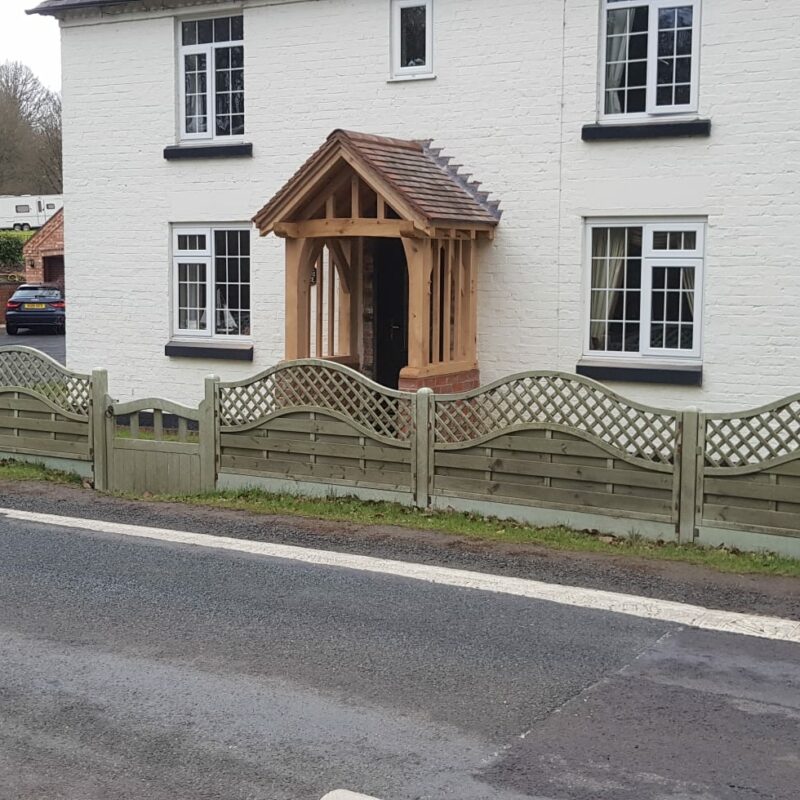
(211, 281)
(645, 284)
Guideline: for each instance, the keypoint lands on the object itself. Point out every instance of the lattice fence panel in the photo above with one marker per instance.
(27, 369)
(763, 436)
(564, 401)
(318, 386)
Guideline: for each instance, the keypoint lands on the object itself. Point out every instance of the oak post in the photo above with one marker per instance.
(297, 300)
(419, 257)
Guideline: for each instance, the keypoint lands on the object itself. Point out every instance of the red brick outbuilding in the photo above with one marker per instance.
(44, 252)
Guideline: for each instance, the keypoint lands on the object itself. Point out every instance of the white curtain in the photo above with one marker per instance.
(611, 244)
(617, 23)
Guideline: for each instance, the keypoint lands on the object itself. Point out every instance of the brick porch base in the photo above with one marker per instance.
(443, 384)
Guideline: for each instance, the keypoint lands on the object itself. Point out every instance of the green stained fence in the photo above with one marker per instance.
(543, 447)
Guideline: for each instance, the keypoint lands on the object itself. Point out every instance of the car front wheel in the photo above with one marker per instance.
(11, 330)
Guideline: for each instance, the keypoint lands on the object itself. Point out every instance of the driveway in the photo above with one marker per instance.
(53, 345)
(145, 667)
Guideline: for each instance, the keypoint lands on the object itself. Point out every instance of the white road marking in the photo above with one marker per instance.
(341, 794)
(776, 628)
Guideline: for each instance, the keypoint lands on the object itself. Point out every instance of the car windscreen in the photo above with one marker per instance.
(37, 294)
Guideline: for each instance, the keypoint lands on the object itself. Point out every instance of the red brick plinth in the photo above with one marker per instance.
(442, 384)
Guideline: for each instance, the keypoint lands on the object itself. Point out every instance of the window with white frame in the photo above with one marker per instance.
(650, 57)
(211, 281)
(212, 78)
(645, 285)
(412, 38)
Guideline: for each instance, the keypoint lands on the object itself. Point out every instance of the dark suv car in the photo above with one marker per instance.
(36, 305)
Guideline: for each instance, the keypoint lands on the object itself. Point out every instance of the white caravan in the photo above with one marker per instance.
(28, 211)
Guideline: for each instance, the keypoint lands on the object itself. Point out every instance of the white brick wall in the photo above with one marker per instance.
(515, 84)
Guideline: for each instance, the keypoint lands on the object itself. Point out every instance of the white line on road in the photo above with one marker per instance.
(645, 607)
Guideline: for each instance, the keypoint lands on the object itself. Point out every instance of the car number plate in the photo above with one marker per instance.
(35, 305)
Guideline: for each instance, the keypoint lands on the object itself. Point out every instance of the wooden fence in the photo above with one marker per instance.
(544, 447)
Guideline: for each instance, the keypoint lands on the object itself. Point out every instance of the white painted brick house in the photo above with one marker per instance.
(645, 153)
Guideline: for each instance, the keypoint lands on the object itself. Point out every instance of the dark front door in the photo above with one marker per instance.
(391, 311)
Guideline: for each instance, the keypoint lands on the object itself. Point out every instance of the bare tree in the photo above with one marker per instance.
(30, 133)
(49, 141)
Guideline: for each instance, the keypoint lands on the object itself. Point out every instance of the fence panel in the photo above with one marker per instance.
(44, 411)
(317, 427)
(549, 447)
(749, 485)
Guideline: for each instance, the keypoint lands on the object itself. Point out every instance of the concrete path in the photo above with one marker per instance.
(142, 668)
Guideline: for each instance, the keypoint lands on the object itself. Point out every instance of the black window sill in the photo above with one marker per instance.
(676, 376)
(223, 352)
(179, 152)
(646, 130)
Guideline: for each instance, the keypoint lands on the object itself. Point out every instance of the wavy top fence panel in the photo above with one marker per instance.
(28, 370)
(753, 439)
(314, 385)
(558, 401)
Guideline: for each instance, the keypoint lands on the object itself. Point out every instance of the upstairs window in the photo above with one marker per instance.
(650, 52)
(212, 78)
(211, 281)
(645, 289)
(412, 38)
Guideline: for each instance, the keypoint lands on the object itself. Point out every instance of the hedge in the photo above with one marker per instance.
(11, 244)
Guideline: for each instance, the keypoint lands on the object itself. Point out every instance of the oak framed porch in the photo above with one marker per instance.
(355, 192)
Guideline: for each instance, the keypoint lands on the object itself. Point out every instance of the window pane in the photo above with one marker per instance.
(192, 296)
(231, 287)
(672, 309)
(237, 28)
(189, 33)
(195, 110)
(615, 297)
(229, 88)
(222, 29)
(205, 31)
(412, 36)
(674, 39)
(626, 59)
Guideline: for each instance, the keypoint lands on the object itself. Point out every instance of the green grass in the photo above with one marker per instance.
(467, 526)
(19, 471)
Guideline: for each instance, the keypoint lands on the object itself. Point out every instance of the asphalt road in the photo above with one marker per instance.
(52, 344)
(141, 669)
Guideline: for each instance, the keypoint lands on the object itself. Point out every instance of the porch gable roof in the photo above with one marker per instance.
(421, 185)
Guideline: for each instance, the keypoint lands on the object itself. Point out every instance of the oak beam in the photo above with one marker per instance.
(346, 226)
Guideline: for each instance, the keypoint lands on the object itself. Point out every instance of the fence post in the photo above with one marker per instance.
(209, 430)
(423, 438)
(97, 413)
(690, 434)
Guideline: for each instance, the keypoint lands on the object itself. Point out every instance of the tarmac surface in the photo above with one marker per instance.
(135, 668)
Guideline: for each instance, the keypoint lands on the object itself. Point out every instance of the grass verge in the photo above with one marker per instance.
(19, 471)
(467, 526)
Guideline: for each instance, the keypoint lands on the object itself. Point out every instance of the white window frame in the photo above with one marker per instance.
(204, 256)
(398, 72)
(651, 109)
(211, 99)
(651, 258)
